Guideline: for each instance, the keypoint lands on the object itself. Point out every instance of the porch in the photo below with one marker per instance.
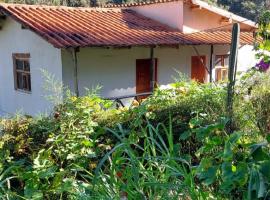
(119, 73)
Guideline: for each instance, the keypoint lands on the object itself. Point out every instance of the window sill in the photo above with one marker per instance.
(23, 91)
(219, 67)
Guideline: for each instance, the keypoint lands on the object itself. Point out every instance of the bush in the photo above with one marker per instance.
(174, 145)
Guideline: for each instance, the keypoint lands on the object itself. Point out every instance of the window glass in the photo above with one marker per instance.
(22, 75)
(226, 61)
(25, 85)
(19, 80)
(26, 65)
(221, 67)
(29, 82)
(19, 64)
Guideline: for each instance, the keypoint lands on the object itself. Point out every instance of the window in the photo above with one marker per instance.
(22, 77)
(221, 67)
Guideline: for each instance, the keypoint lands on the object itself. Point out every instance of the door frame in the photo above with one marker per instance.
(205, 63)
(156, 63)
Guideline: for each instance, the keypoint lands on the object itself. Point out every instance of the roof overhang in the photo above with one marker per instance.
(65, 27)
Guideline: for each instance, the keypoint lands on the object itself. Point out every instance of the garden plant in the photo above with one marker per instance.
(174, 145)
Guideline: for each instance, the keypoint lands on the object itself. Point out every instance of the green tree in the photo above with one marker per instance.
(250, 9)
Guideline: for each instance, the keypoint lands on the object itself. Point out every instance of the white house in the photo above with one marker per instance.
(125, 49)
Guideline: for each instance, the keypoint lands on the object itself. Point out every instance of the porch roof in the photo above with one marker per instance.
(66, 27)
(218, 38)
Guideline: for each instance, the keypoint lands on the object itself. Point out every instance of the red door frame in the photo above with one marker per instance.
(198, 71)
(137, 74)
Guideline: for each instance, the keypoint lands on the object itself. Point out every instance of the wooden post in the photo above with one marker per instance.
(152, 70)
(211, 63)
(75, 65)
(232, 73)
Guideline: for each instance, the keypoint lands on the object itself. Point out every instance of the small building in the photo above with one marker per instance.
(125, 49)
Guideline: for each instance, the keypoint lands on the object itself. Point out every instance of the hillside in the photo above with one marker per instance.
(250, 9)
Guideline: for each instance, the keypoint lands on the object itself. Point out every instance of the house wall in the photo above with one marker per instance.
(170, 13)
(199, 19)
(181, 16)
(246, 58)
(14, 39)
(115, 69)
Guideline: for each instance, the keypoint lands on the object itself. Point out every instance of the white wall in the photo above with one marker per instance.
(115, 69)
(170, 13)
(246, 58)
(13, 39)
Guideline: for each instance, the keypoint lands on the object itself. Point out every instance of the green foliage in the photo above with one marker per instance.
(147, 165)
(250, 9)
(49, 158)
(174, 145)
(55, 157)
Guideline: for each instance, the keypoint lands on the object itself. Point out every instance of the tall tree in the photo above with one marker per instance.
(250, 9)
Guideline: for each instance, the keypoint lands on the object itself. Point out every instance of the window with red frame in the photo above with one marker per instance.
(221, 67)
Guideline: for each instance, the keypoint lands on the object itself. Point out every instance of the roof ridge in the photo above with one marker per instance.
(102, 9)
(139, 3)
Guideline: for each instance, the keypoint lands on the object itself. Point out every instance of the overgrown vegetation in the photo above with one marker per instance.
(172, 146)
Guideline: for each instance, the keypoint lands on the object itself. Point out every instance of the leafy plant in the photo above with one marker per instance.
(146, 165)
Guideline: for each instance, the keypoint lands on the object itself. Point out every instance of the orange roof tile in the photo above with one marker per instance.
(113, 5)
(217, 37)
(78, 27)
(66, 27)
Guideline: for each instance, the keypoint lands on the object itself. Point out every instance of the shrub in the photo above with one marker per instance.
(54, 157)
(174, 145)
(252, 103)
(146, 165)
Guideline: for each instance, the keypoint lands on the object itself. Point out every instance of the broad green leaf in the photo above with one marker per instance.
(87, 143)
(209, 175)
(46, 173)
(259, 153)
(185, 135)
(265, 169)
(228, 154)
(256, 188)
(262, 187)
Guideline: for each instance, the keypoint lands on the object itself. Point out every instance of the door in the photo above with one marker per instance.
(197, 68)
(143, 75)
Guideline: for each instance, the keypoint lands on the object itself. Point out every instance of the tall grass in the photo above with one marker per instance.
(146, 164)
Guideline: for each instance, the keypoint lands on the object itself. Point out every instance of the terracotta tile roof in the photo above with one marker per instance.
(110, 5)
(66, 27)
(217, 37)
(80, 27)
